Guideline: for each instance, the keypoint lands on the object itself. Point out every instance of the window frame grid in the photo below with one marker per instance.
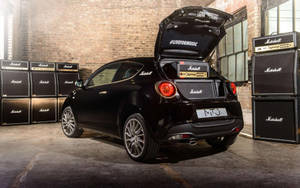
(244, 51)
(264, 15)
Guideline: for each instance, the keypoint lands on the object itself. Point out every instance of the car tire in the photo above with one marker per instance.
(221, 142)
(68, 124)
(138, 142)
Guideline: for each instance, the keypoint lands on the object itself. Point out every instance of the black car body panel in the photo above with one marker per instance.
(106, 107)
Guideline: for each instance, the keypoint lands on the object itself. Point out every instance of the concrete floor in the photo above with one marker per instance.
(41, 156)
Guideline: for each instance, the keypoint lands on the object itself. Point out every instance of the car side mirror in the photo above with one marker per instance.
(79, 83)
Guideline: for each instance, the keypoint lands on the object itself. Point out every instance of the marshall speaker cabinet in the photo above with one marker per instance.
(43, 84)
(15, 84)
(67, 75)
(66, 83)
(276, 73)
(43, 110)
(15, 111)
(276, 119)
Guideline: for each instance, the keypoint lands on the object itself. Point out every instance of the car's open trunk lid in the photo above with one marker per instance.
(190, 32)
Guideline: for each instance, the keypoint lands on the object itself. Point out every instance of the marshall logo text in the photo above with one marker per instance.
(16, 82)
(16, 111)
(274, 119)
(269, 69)
(44, 110)
(273, 41)
(196, 91)
(69, 82)
(43, 65)
(193, 68)
(68, 66)
(15, 64)
(44, 82)
(143, 73)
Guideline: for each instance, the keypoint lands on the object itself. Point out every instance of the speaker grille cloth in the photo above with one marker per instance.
(274, 73)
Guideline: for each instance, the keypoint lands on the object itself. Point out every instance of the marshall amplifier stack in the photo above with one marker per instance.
(43, 92)
(15, 92)
(34, 92)
(67, 74)
(275, 87)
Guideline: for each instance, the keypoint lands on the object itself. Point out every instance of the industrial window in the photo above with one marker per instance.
(233, 49)
(6, 31)
(281, 16)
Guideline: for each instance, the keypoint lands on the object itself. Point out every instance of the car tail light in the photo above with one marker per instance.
(233, 88)
(166, 89)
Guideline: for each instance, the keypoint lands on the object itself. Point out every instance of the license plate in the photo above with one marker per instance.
(211, 112)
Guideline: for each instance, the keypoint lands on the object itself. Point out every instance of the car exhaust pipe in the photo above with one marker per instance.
(193, 142)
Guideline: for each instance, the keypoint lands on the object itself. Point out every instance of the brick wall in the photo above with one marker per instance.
(254, 30)
(91, 32)
(94, 32)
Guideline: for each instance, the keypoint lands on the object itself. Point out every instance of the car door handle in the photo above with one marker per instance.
(102, 92)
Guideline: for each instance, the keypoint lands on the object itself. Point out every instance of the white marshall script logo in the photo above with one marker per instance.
(191, 68)
(269, 69)
(68, 66)
(16, 111)
(143, 73)
(196, 91)
(16, 82)
(43, 65)
(275, 119)
(270, 41)
(44, 110)
(69, 82)
(184, 43)
(15, 64)
(44, 82)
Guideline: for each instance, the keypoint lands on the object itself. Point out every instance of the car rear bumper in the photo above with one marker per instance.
(202, 130)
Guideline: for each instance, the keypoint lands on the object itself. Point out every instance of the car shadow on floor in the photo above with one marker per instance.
(169, 153)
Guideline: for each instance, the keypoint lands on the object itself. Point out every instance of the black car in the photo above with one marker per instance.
(173, 97)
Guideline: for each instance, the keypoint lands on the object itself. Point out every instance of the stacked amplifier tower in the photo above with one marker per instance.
(34, 92)
(276, 88)
(43, 92)
(15, 92)
(67, 74)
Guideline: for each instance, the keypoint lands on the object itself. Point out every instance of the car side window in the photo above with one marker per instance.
(127, 70)
(105, 76)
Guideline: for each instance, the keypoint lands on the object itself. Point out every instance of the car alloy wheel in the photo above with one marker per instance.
(134, 138)
(68, 122)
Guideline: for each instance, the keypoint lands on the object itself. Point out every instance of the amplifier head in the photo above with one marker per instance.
(276, 42)
(14, 65)
(67, 67)
(42, 66)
